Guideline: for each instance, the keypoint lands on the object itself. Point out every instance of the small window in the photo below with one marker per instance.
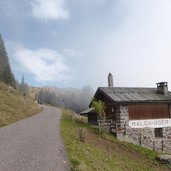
(158, 132)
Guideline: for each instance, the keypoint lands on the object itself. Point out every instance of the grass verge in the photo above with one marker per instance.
(103, 153)
(14, 107)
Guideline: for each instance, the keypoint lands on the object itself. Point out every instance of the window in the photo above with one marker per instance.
(158, 132)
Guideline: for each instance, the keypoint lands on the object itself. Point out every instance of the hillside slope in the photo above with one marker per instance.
(103, 152)
(13, 106)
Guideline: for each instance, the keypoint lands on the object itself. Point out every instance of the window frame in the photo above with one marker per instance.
(158, 132)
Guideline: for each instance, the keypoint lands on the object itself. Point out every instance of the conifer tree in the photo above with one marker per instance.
(24, 87)
(6, 74)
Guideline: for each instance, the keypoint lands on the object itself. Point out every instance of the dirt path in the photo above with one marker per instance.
(33, 144)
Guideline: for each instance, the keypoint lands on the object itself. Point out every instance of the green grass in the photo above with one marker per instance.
(104, 152)
(14, 107)
(144, 151)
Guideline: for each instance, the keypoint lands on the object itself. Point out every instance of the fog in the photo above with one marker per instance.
(74, 99)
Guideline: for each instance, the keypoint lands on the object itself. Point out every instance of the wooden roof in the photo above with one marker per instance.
(87, 111)
(124, 94)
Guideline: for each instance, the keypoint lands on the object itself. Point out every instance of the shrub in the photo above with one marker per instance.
(75, 117)
(82, 133)
(80, 119)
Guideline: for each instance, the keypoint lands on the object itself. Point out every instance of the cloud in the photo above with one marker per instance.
(71, 52)
(44, 64)
(49, 9)
(132, 40)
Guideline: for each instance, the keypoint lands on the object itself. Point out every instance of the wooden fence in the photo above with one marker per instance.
(159, 145)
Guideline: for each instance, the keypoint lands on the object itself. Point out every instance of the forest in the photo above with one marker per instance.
(71, 98)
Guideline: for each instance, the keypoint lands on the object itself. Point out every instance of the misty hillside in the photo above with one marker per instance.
(72, 98)
(14, 106)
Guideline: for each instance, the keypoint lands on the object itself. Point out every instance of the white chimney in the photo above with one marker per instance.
(110, 80)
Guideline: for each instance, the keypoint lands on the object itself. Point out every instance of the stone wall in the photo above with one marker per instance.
(141, 136)
(146, 138)
(122, 117)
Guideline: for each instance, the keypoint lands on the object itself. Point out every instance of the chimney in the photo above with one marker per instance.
(162, 88)
(110, 80)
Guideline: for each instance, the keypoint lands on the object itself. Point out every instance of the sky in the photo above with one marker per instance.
(75, 43)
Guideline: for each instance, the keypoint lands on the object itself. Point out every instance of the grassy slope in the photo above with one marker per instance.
(104, 153)
(13, 106)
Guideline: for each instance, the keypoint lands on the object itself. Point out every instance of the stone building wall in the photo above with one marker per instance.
(141, 136)
(122, 117)
(146, 138)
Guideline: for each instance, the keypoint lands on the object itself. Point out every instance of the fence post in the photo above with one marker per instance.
(140, 140)
(162, 145)
(153, 145)
(124, 129)
(99, 125)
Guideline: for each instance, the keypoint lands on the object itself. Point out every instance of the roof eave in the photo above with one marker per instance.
(148, 101)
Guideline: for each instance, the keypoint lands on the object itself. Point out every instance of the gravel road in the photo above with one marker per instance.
(33, 144)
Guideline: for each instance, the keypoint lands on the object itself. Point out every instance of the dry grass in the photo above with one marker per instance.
(14, 107)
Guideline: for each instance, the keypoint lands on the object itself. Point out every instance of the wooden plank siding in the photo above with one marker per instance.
(110, 114)
(148, 111)
(108, 110)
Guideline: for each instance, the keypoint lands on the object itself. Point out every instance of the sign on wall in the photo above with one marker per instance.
(150, 123)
